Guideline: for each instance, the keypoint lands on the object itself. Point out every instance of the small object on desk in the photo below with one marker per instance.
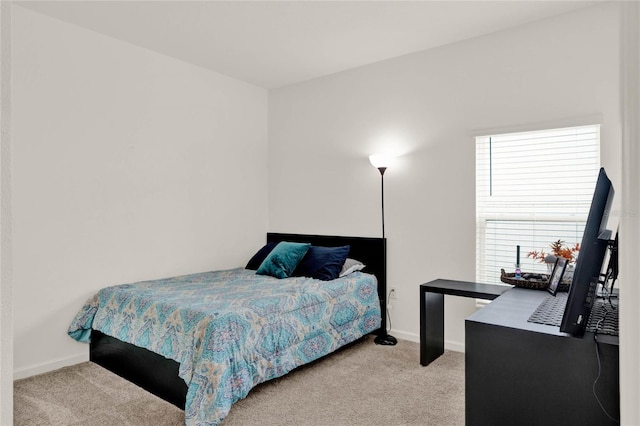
(556, 276)
(518, 273)
(527, 280)
(529, 276)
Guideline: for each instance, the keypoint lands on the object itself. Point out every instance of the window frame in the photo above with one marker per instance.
(485, 214)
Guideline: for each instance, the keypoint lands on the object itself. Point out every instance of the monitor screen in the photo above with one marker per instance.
(590, 259)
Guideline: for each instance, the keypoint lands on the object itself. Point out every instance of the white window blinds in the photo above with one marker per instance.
(532, 189)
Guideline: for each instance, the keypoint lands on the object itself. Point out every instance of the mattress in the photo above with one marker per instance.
(231, 330)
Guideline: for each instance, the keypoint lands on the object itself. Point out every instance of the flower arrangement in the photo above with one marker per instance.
(558, 249)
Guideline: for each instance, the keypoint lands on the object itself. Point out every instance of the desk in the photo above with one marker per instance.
(517, 372)
(432, 311)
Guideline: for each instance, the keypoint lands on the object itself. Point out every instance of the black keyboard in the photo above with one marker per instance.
(550, 310)
(603, 318)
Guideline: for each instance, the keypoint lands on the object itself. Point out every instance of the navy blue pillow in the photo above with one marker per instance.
(322, 263)
(257, 259)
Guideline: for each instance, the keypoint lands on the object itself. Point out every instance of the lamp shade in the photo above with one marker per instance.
(380, 160)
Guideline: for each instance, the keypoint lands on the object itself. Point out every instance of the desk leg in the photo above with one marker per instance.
(431, 326)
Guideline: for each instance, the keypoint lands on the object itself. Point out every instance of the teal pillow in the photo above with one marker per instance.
(283, 259)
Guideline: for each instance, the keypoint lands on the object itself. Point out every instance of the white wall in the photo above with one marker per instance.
(6, 298)
(428, 106)
(127, 165)
(630, 217)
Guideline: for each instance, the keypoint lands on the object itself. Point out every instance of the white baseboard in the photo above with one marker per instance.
(413, 337)
(77, 359)
(45, 367)
(453, 346)
(404, 335)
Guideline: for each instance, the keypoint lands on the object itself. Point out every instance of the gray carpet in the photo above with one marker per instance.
(363, 384)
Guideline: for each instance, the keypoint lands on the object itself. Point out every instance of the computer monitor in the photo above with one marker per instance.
(590, 259)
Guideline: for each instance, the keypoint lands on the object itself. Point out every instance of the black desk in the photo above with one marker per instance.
(432, 311)
(517, 372)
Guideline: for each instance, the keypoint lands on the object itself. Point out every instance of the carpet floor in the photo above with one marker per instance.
(363, 384)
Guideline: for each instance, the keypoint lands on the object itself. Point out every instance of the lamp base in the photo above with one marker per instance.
(387, 340)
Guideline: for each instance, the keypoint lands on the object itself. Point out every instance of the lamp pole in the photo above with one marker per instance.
(384, 338)
(382, 170)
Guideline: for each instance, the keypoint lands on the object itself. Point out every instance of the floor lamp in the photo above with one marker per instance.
(381, 162)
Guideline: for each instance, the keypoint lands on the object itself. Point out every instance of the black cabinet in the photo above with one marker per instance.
(531, 374)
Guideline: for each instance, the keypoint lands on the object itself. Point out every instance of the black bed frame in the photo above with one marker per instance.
(159, 375)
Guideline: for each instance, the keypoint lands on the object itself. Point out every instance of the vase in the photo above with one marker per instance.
(550, 266)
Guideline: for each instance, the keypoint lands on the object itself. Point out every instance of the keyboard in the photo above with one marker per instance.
(550, 310)
(603, 318)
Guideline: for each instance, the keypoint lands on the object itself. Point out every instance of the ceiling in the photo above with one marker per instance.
(278, 43)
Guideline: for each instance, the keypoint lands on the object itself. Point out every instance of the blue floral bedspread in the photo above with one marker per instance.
(231, 330)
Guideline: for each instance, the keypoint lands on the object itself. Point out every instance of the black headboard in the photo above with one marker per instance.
(370, 251)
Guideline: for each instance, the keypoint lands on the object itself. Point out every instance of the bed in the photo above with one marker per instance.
(260, 327)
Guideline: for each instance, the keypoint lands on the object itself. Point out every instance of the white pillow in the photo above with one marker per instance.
(351, 265)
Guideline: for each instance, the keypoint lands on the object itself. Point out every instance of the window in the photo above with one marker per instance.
(532, 189)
